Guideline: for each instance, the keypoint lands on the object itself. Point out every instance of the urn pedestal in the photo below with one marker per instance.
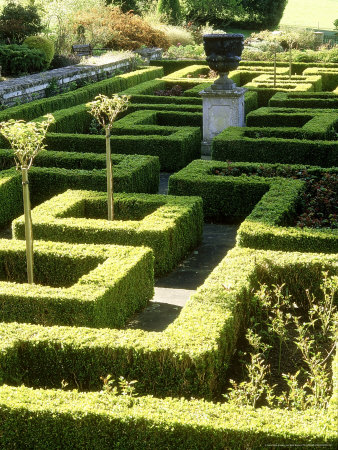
(223, 102)
(221, 109)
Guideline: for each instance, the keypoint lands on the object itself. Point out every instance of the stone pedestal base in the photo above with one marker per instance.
(221, 109)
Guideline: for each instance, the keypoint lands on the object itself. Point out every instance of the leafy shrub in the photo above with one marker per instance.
(111, 28)
(18, 22)
(187, 51)
(43, 44)
(18, 59)
(171, 9)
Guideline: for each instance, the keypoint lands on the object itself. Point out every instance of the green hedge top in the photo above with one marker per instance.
(329, 76)
(83, 285)
(320, 100)
(273, 145)
(112, 85)
(315, 80)
(270, 203)
(171, 226)
(313, 124)
(170, 66)
(92, 420)
(60, 171)
(188, 358)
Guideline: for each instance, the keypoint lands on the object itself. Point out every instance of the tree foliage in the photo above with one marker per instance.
(171, 9)
(17, 22)
(263, 14)
(220, 12)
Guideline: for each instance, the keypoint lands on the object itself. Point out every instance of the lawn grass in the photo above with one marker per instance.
(310, 13)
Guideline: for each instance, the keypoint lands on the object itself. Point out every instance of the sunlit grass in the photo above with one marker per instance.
(311, 13)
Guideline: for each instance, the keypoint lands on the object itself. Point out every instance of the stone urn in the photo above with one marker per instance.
(223, 55)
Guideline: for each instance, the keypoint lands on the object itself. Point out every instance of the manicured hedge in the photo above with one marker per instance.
(79, 285)
(311, 124)
(255, 144)
(10, 196)
(37, 418)
(60, 171)
(191, 100)
(175, 146)
(188, 358)
(87, 93)
(240, 76)
(266, 90)
(270, 204)
(170, 226)
(170, 66)
(315, 80)
(329, 76)
(320, 100)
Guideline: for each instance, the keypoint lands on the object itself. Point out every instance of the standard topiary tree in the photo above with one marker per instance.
(43, 44)
(171, 9)
(26, 139)
(105, 111)
(17, 22)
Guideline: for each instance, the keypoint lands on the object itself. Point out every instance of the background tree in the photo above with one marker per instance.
(171, 9)
(17, 22)
(105, 110)
(216, 12)
(26, 139)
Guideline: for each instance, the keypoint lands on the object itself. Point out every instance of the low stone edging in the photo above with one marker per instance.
(33, 87)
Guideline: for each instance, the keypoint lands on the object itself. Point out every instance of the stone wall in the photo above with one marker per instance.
(32, 87)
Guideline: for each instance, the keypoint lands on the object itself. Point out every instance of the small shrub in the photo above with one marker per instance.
(18, 59)
(111, 28)
(43, 44)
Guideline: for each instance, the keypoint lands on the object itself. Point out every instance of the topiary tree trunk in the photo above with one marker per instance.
(105, 111)
(26, 139)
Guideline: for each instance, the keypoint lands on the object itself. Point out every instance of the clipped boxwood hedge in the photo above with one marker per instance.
(315, 80)
(188, 358)
(170, 65)
(322, 100)
(37, 418)
(240, 76)
(79, 285)
(60, 171)
(329, 76)
(270, 204)
(11, 200)
(143, 95)
(311, 124)
(171, 226)
(266, 90)
(85, 94)
(273, 145)
(175, 146)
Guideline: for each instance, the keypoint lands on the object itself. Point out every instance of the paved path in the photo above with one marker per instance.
(173, 290)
